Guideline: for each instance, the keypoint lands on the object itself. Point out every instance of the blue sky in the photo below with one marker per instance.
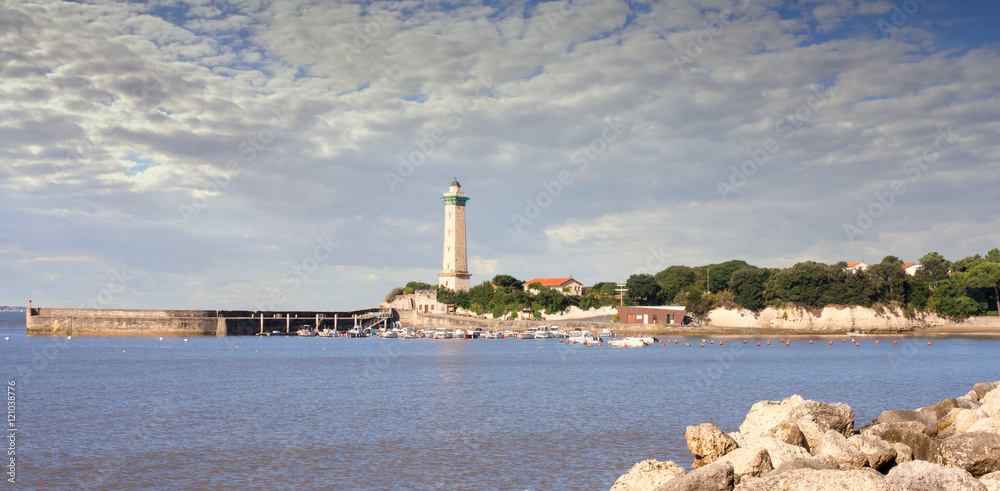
(291, 155)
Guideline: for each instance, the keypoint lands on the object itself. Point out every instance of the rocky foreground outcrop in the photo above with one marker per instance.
(797, 444)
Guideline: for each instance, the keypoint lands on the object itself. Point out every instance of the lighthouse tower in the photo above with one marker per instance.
(454, 265)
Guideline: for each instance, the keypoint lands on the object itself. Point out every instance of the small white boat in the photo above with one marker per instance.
(606, 333)
(582, 337)
(526, 335)
(326, 332)
(546, 334)
(629, 342)
(306, 332)
(443, 334)
(388, 334)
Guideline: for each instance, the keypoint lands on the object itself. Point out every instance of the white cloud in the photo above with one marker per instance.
(87, 86)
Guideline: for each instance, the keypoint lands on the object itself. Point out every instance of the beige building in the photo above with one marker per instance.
(566, 286)
(454, 273)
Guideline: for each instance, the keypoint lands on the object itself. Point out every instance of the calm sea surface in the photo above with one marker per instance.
(335, 413)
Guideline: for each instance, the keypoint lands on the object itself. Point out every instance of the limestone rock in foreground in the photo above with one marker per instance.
(748, 462)
(647, 475)
(779, 452)
(968, 403)
(707, 443)
(984, 388)
(812, 418)
(977, 452)
(991, 403)
(989, 425)
(922, 446)
(812, 480)
(880, 453)
(942, 408)
(717, 476)
(919, 475)
(991, 481)
(819, 462)
(903, 452)
(789, 433)
(966, 418)
(835, 445)
(878, 429)
(927, 417)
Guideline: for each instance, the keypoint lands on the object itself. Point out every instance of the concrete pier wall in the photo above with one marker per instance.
(124, 322)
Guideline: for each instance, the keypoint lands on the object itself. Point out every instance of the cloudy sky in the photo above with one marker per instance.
(291, 155)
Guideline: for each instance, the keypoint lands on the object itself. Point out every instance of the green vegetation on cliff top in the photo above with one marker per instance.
(967, 287)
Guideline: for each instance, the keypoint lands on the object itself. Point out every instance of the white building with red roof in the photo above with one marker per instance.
(567, 286)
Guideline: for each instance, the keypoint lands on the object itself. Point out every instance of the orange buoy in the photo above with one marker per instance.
(831, 342)
(758, 343)
(788, 344)
(876, 341)
(769, 342)
(687, 344)
(845, 340)
(727, 340)
(702, 345)
(810, 341)
(928, 343)
(663, 344)
(744, 341)
(710, 342)
(893, 341)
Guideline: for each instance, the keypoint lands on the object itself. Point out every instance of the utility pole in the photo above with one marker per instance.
(621, 289)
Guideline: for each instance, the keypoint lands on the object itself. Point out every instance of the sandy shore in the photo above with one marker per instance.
(943, 331)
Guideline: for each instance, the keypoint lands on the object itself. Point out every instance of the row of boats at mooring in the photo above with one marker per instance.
(575, 336)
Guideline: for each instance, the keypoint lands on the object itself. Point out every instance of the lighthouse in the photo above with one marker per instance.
(454, 264)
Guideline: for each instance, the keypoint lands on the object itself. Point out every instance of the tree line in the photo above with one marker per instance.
(967, 287)
(956, 290)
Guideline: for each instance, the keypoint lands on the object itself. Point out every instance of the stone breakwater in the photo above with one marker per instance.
(798, 444)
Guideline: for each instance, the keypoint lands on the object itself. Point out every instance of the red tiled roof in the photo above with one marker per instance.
(907, 265)
(549, 281)
(851, 265)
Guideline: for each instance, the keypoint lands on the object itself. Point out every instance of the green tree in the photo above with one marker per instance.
(718, 275)
(933, 267)
(949, 300)
(993, 256)
(747, 285)
(643, 289)
(802, 284)
(893, 278)
(416, 285)
(507, 281)
(985, 275)
(675, 279)
(607, 288)
(963, 265)
(395, 292)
